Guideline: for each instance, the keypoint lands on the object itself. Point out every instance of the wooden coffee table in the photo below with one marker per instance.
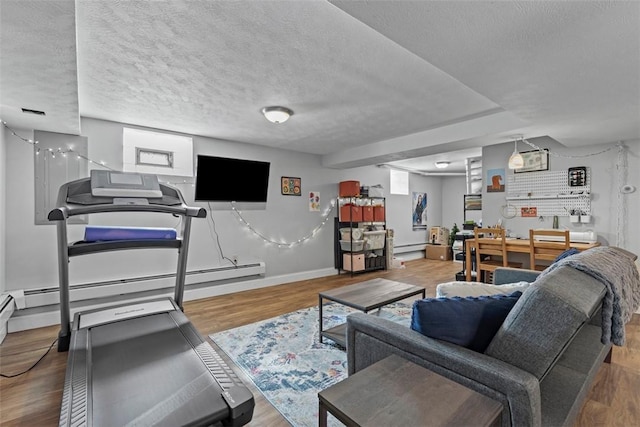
(396, 392)
(364, 296)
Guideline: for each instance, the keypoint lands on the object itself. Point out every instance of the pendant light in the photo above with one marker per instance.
(516, 161)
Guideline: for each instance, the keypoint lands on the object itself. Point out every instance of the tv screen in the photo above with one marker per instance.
(221, 179)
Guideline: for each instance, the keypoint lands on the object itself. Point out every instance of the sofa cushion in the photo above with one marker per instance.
(469, 322)
(545, 319)
(477, 289)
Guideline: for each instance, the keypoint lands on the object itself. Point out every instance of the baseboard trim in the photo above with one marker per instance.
(7, 307)
(50, 315)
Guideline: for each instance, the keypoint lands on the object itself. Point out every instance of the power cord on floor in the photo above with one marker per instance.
(32, 366)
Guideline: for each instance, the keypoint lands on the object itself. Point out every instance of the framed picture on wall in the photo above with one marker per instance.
(291, 186)
(534, 161)
(419, 212)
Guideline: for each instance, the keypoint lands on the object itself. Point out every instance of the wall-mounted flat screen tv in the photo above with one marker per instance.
(221, 179)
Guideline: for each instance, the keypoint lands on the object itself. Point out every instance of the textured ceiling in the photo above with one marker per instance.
(38, 65)
(369, 82)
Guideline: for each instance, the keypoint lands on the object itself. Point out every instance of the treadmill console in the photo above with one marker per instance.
(124, 184)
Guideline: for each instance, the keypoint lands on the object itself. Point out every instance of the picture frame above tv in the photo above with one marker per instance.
(222, 179)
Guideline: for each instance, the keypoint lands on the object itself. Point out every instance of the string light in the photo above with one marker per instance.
(60, 151)
(565, 156)
(280, 244)
(78, 156)
(621, 220)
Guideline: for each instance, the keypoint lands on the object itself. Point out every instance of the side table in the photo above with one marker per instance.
(396, 392)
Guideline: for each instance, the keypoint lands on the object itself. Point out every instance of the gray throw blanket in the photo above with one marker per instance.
(615, 269)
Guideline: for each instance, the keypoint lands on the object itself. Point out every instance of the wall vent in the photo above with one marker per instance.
(36, 112)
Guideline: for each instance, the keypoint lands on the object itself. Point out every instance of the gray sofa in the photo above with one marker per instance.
(541, 363)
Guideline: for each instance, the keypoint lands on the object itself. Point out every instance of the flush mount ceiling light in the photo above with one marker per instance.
(277, 114)
(516, 161)
(442, 165)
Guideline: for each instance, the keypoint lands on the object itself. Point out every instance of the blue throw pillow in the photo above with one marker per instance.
(567, 253)
(470, 322)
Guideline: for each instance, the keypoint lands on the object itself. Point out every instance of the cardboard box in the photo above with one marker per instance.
(440, 252)
(356, 259)
(439, 235)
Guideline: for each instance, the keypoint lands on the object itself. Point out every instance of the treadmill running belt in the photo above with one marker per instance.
(143, 372)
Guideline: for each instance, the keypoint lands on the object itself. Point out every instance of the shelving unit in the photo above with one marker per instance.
(472, 207)
(360, 235)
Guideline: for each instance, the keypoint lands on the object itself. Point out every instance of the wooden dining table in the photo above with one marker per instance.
(514, 246)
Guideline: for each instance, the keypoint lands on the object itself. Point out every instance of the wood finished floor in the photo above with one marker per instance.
(33, 399)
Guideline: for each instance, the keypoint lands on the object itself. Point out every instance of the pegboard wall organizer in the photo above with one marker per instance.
(551, 193)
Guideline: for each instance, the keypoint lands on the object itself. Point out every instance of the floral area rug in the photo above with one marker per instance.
(286, 362)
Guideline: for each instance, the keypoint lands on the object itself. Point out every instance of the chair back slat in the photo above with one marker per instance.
(540, 249)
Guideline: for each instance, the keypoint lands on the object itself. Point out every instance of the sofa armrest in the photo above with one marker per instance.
(504, 275)
(371, 338)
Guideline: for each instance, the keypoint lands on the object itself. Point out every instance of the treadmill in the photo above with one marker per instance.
(141, 363)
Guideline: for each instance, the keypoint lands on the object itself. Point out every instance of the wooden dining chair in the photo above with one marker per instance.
(546, 250)
(491, 251)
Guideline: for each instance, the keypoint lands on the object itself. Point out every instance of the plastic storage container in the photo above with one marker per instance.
(351, 233)
(352, 245)
(374, 239)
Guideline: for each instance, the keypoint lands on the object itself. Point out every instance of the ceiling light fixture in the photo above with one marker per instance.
(442, 165)
(277, 114)
(516, 161)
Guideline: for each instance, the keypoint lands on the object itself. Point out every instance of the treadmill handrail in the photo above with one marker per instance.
(62, 213)
(66, 209)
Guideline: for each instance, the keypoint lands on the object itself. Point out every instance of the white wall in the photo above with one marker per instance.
(453, 191)
(32, 261)
(3, 209)
(604, 190)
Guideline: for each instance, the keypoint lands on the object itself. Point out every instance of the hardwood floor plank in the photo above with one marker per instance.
(33, 399)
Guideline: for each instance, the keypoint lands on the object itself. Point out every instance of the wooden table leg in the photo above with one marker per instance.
(322, 415)
(467, 261)
(320, 320)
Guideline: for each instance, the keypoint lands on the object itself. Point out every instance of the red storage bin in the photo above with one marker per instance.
(349, 189)
(367, 213)
(350, 212)
(378, 213)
